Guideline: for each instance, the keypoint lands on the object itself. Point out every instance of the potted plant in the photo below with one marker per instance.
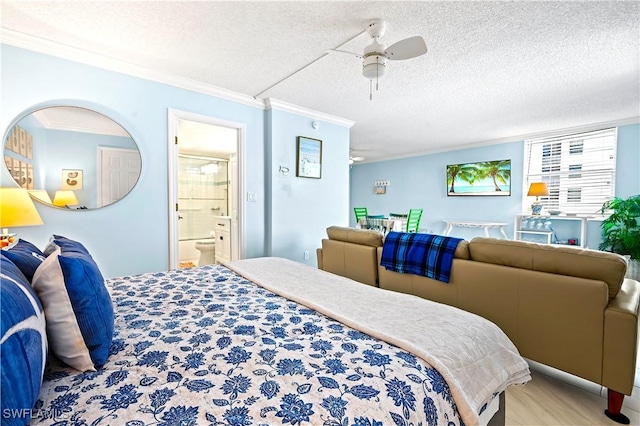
(621, 231)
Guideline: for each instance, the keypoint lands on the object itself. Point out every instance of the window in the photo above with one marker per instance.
(576, 147)
(574, 167)
(579, 170)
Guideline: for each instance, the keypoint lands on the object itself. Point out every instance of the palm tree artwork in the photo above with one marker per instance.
(463, 172)
(499, 171)
(481, 178)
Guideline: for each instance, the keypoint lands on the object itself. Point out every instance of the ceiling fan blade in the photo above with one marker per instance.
(357, 158)
(406, 49)
(344, 52)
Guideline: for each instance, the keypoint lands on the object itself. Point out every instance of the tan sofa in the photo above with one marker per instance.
(565, 307)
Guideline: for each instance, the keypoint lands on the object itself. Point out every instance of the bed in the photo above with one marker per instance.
(270, 341)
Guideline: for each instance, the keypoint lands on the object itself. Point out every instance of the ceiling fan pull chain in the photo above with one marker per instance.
(377, 70)
(370, 89)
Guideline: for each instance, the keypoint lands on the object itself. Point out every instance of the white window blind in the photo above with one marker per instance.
(579, 170)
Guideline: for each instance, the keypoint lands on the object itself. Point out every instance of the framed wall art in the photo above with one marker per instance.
(309, 157)
(481, 178)
(71, 179)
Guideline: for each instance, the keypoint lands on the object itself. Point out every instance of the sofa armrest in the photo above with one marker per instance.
(621, 338)
(319, 256)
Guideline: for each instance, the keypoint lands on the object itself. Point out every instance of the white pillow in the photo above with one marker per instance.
(80, 338)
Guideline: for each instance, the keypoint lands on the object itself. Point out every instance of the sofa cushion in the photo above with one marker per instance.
(462, 251)
(365, 237)
(563, 260)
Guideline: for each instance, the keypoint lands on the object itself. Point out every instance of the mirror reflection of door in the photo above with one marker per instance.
(118, 174)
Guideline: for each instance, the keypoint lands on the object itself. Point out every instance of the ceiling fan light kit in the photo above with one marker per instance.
(375, 55)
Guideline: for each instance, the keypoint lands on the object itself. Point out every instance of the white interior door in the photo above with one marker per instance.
(118, 173)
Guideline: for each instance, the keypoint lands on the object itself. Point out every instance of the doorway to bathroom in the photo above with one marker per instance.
(206, 181)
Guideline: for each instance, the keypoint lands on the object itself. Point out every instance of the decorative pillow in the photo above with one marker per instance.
(25, 256)
(59, 241)
(76, 304)
(23, 347)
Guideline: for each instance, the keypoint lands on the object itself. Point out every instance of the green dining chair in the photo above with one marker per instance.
(361, 212)
(413, 221)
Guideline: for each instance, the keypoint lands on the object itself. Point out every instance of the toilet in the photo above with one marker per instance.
(207, 249)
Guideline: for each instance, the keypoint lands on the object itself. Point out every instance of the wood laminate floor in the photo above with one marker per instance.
(549, 401)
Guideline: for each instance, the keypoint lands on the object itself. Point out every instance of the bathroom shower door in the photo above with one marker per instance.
(202, 196)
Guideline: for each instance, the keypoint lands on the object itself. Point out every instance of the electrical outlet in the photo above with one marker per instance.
(306, 255)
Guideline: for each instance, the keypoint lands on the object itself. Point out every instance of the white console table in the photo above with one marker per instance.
(569, 228)
(471, 224)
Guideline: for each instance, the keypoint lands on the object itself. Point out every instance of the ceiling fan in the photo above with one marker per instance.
(375, 55)
(354, 158)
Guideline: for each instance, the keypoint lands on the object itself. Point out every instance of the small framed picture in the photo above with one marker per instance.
(15, 139)
(29, 176)
(71, 179)
(20, 175)
(15, 170)
(309, 157)
(8, 161)
(29, 146)
(22, 141)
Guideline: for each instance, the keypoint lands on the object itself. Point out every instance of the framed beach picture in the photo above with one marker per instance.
(309, 157)
(481, 178)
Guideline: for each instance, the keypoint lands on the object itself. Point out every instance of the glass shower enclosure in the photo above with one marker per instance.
(202, 195)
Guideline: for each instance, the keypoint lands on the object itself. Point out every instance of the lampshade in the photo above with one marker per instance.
(538, 189)
(41, 195)
(17, 208)
(65, 198)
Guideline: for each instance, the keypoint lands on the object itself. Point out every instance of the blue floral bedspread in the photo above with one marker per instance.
(204, 346)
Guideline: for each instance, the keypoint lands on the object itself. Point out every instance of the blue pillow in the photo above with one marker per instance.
(76, 304)
(24, 344)
(25, 256)
(59, 241)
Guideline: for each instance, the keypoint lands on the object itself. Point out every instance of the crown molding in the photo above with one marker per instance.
(271, 103)
(47, 47)
(516, 138)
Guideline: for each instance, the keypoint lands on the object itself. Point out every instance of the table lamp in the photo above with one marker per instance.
(537, 189)
(16, 209)
(65, 199)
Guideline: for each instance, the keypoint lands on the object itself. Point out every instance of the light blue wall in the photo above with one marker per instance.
(420, 182)
(131, 236)
(300, 209)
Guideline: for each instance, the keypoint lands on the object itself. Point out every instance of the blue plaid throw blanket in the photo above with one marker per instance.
(421, 254)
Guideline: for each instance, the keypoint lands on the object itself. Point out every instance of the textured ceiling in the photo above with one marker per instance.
(494, 70)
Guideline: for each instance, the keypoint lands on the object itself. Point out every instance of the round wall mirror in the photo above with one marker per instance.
(72, 158)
